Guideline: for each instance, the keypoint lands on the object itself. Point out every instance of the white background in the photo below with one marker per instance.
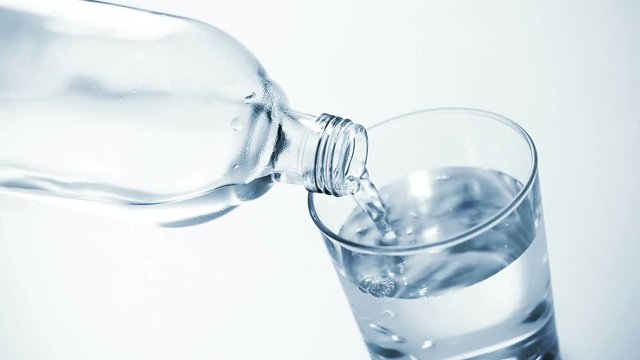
(257, 283)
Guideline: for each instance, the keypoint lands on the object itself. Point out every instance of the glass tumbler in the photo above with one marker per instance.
(467, 276)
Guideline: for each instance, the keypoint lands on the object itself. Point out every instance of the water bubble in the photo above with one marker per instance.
(423, 291)
(387, 332)
(400, 267)
(426, 344)
(398, 338)
(378, 286)
(381, 329)
(236, 123)
(351, 185)
(364, 285)
(388, 313)
(411, 357)
(250, 98)
(235, 166)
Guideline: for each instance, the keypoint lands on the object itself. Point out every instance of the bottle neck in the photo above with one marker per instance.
(324, 154)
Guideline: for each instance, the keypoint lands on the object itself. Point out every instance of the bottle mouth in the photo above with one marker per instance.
(341, 155)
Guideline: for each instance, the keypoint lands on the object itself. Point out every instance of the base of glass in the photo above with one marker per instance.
(541, 345)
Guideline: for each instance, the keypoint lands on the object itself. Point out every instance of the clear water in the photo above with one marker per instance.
(113, 202)
(486, 298)
(181, 133)
(176, 135)
(367, 196)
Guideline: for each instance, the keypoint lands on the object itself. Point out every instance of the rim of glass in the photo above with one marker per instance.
(458, 238)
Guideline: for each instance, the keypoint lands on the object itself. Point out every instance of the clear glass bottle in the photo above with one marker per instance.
(111, 108)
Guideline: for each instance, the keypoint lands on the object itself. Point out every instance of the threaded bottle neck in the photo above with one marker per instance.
(325, 154)
(340, 156)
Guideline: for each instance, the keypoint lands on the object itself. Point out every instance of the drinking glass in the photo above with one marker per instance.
(467, 276)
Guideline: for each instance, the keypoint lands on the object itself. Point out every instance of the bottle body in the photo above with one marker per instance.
(117, 108)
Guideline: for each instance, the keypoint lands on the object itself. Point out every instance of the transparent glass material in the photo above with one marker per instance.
(167, 118)
(468, 277)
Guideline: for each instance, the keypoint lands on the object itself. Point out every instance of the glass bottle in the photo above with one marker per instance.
(110, 108)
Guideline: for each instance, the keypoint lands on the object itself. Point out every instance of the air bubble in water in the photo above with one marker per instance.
(364, 285)
(400, 267)
(352, 185)
(250, 98)
(236, 123)
(381, 329)
(235, 166)
(398, 338)
(387, 332)
(426, 344)
(388, 313)
(378, 286)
